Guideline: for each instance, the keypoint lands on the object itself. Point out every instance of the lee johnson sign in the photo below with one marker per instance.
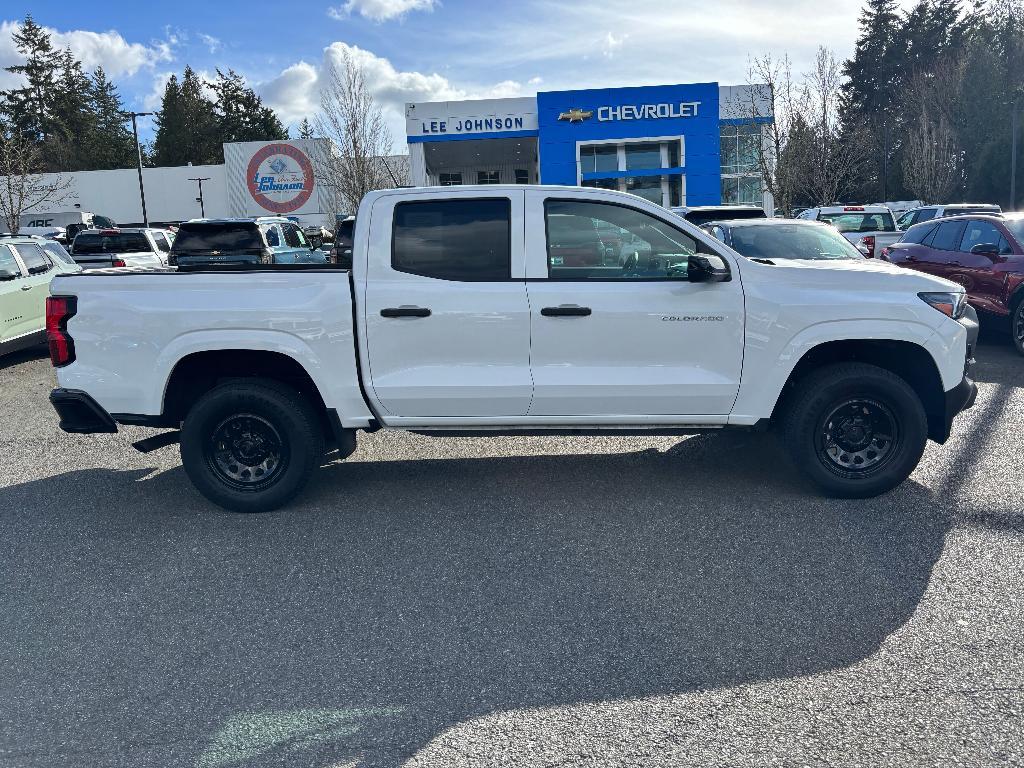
(472, 125)
(648, 111)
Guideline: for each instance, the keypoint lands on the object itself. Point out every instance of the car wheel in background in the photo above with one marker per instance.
(1017, 326)
(855, 430)
(251, 445)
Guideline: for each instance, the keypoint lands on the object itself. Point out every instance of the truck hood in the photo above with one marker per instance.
(860, 274)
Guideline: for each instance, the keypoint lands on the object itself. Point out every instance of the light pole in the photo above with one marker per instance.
(1013, 155)
(202, 208)
(138, 156)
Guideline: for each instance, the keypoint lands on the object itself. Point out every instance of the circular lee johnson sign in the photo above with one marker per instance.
(280, 178)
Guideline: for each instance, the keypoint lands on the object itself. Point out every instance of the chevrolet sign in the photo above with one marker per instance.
(647, 111)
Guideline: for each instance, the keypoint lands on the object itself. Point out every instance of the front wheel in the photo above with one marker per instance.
(1017, 326)
(251, 446)
(855, 430)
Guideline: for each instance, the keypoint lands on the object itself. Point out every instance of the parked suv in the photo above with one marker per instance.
(928, 212)
(264, 240)
(984, 254)
(121, 247)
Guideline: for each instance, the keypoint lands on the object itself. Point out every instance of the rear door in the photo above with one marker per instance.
(940, 253)
(446, 318)
(634, 337)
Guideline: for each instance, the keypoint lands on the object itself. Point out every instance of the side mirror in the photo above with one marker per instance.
(986, 249)
(9, 274)
(708, 268)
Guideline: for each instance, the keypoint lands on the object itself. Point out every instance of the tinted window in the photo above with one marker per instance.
(56, 251)
(860, 222)
(978, 233)
(294, 237)
(453, 239)
(7, 261)
(161, 241)
(35, 260)
(103, 221)
(792, 241)
(917, 233)
(271, 233)
(221, 236)
(947, 236)
(926, 214)
(605, 241)
(122, 242)
(905, 221)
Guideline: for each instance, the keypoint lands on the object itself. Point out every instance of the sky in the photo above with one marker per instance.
(432, 50)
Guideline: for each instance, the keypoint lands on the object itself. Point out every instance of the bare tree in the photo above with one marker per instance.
(933, 160)
(21, 187)
(773, 104)
(829, 159)
(352, 162)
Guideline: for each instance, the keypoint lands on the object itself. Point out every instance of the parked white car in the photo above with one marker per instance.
(928, 212)
(122, 247)
(459, 317)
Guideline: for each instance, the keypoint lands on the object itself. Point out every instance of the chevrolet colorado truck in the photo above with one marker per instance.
(461, 316)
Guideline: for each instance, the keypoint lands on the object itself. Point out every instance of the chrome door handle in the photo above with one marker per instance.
(26, 287)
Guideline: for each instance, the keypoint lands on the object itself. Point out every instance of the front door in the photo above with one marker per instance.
(631, 336)
(447, 323)
(976, 271)
(36, 286)
(15, 301)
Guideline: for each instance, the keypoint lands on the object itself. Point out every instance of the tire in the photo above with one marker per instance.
(251, 445)
(1017, 326)
(855, 430)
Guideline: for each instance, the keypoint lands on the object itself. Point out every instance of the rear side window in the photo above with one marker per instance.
(36, 262)
(926, 214)
(917, 234)
(947, 236)
(221, 236)
(56, 251)
(464, 240)
(161, 241)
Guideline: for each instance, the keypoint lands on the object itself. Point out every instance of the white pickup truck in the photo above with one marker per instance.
(483, 311)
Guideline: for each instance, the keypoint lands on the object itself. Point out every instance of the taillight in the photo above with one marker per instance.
(885, 253)
(119, 263)
(60, 309)
(867, 246)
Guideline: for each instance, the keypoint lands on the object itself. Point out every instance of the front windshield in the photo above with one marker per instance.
(859, 222)
(792, 241)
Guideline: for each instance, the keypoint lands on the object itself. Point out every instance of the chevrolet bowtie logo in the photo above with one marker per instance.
(575, 115)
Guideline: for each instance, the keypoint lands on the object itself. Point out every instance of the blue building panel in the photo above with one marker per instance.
(609, 114)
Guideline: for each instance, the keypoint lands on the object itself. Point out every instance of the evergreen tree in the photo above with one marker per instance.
(305, 129)
(71, 139)
(112, 145)
(241, 115)
(30, 108)
(187, 126)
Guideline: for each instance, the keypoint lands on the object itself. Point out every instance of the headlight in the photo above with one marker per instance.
(950, 304)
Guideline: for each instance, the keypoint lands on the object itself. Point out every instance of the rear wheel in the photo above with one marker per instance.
(251, 446)
(855, 430)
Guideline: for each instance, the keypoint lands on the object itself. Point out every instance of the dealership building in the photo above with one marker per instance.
(689, 145)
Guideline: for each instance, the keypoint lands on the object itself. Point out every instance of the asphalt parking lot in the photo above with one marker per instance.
(531, 601)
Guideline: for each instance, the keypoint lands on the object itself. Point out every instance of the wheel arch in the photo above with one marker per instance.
(908, 360)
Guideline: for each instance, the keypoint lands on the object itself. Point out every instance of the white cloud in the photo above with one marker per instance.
(380, 10)
(295, 92)
(211, 42)
(151, 101)
(612, 44)
(107, 49)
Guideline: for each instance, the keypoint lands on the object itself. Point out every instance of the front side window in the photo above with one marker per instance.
(465, 240)
(36, 262)
(605, 241)
(980, 233)
(8, 264)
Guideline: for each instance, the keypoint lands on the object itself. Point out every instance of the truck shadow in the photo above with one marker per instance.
(400, 598)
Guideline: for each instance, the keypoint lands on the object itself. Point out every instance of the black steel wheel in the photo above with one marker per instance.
(858, 437)
(251, 445)
(855, 430)
(1017, 326)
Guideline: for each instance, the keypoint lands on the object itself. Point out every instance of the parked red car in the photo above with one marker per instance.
(984, 254)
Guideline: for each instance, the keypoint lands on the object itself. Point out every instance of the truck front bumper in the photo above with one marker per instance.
(79, 413)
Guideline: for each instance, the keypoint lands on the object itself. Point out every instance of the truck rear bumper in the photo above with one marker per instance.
(79, 413)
